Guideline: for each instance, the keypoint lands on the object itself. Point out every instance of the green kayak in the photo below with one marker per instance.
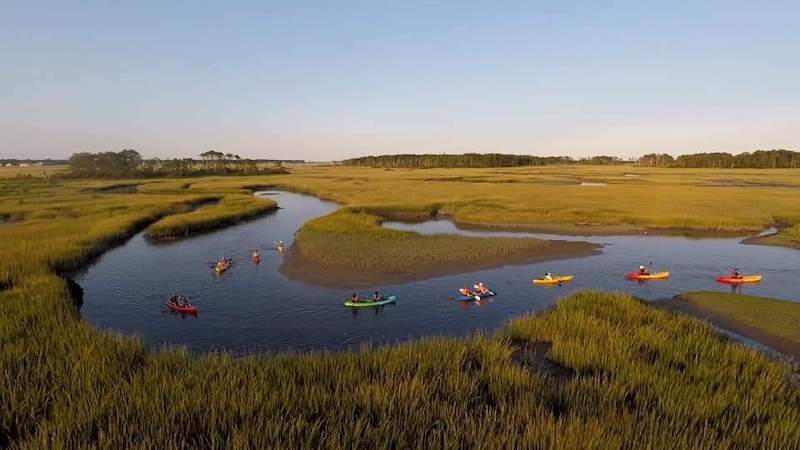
(386, 299)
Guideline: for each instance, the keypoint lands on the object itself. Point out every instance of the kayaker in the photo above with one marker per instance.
(735, 273)
(354, 298)
(377, 297)
(548, 276)
(465, 292)
(482, 289)
(642, 270)
(255, 254)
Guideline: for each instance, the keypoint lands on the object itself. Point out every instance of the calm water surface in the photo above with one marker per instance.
(255, 308)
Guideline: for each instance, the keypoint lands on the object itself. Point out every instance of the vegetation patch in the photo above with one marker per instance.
(776, 322)
(229, 210)
(550, 197)
(117, 188)
(350, 248)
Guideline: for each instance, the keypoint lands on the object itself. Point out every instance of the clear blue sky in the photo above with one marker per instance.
(328, 80)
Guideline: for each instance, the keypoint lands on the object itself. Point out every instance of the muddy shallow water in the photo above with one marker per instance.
(256, 308)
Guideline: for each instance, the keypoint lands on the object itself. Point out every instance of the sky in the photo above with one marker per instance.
(329, 80)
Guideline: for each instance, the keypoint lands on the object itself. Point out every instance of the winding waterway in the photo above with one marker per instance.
(255, 308)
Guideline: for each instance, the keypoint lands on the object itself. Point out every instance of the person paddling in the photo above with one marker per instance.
(465, 292)
(548, 276)
(642, 270)
(255, 254)
(354, 298)
(735, 273)
(377, 297)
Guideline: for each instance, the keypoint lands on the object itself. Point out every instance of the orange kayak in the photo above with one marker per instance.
(739, 280)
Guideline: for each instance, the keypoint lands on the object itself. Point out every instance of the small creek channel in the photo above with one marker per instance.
(255, 308)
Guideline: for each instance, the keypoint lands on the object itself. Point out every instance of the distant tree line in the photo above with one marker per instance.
(31, 162)
(129, 163)
(759, 159)
(426, 161)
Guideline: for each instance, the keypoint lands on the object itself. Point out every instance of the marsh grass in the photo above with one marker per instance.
(642, 377)
(352, 241)
(679, 199)
(231, 209)
(778, 318)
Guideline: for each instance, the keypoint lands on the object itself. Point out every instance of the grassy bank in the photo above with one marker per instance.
(787, 237)
(637, 377)
(229, 210)
(774, 321)
(350, 248)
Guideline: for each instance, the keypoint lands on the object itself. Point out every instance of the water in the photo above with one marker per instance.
(254, 308)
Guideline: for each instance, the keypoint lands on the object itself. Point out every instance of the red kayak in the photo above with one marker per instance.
(186, 309)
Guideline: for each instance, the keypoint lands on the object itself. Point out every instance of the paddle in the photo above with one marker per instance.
(227, 260)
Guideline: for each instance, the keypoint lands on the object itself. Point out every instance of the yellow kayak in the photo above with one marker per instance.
(554, 280)
(647, 276)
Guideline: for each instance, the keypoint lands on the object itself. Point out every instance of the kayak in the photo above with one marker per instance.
(220, 269)
(739, 280)
(468, 298)
(360, 304)
(188, 309)
(648, 276)
(554, 280)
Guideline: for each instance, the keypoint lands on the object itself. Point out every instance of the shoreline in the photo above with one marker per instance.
(297, 267)
(780, 345)
(589, 229)
(772, 240)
